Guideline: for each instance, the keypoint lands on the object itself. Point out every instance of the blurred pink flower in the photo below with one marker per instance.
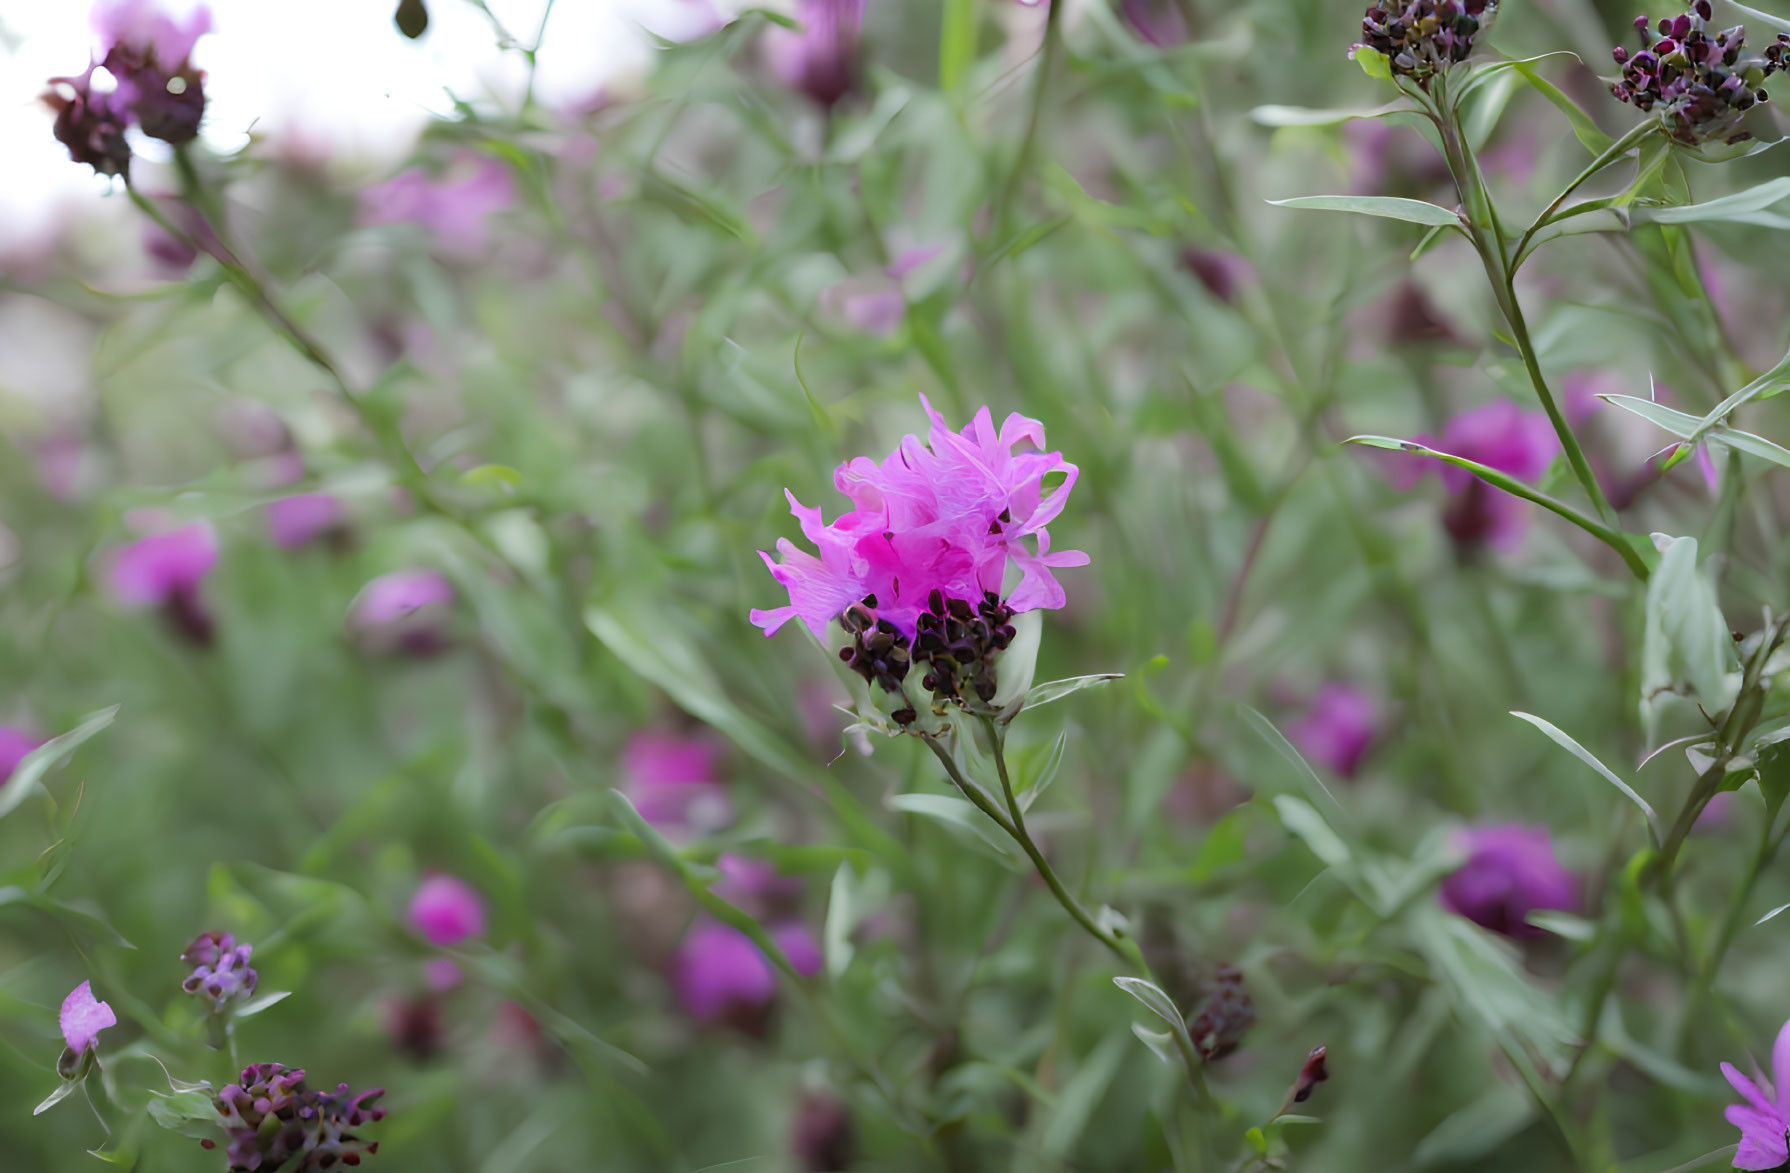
(720, 974)
(294, 521)
(673, 782)
(155, 570)
(821, 58)
(404, 611)
(1510, 872)
(1337, 728)
(447, 910)
(453, 207)
(14, 745)
(1765, 1117)
(83, 1017)
(755, 884)
(947, 514)
(442, 974)
(1501, 436)
(1162, 23)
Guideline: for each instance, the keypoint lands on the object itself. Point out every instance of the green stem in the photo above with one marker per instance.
(1612, 154)
(1053, 35)
(1731, 924)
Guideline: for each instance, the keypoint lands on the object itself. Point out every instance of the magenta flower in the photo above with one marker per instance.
(1765, 1117)
(15, 744)
(295, 521)
(1502, 436)
(673, 782)
(1337, 729)
(1162, 23)
(152, 571)
(406, 611)
(165, 570)
(821, 58)
(447, 910)
(83, 1017)
(720, 975)
(1510, 872)
(452, 207)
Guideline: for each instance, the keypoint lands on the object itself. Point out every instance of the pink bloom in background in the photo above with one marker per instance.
(1765, 1117)
(1338, 728)
(1502, 436)
(1162, 23)
(720, 974)
(1716, 814)
(83, 1017)
(755, 884)
(404, 611)
(821, 58)
(447, 910)
(14, 745)
(1510, 872)
(441, 974)
(452, 207)
(295, 521)
(673, 781)
(155, 570)
(948, 514)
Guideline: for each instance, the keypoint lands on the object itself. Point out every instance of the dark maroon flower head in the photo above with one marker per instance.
(1228, 1014)
(1311, 1075)
(150, 55)
(91, 124)
(1421, 37)
(271, 1117)
(1700, 83)
(823, 1137)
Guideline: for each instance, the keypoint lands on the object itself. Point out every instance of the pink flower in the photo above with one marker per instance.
(720, 974)
(949, 514)
(155, 570)
(405, 611)
(1161, 23)
(1502, 436)
(754, 884)
(83, 1017)
(1765, 1117)
(821, 58)
(1337, 729)
(672, 781)
(1510, 872)
(453, 207)
(295, 521)
(1222, 273)
(447, 910)
(15, 744)
(148, 52)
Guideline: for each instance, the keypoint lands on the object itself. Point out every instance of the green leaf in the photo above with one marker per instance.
(189, 1113)
(32, 768)
(1694, 429)
(961, 817)
(1279, 116)
(1583, 127)
(1685, 640)
(1563, 924)
(1386, 207)
(62, 1092)
(273, 998)
(1373, 62)
(1780, 23)
(1079, 1097)
(1742, 207)
(957, 43)
(1154, 1000)
(1560, 738)
(1303, 820)
(1056, 690)
(94, 925)
(1032, 784)
(1160, 1041)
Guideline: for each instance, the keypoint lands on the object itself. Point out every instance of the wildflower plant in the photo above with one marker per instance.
(378, 600)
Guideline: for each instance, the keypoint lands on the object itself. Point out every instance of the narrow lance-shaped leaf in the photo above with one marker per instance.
(1560, 738)
(1385, 207)
(31, 770)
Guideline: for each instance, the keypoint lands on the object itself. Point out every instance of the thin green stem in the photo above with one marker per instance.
(1611, 155)
(1053, 33)
(1730, 927)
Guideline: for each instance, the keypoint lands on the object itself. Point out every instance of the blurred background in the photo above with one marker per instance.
(595, 282)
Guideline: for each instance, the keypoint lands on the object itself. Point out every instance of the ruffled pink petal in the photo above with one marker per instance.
(83, 1017)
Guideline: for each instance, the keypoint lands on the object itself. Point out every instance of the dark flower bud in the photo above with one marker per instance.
(1310, 1075)
(89, 123)
(412, 18)
(823, 1136)
(221, 972)
(1420, 37)
(271, 1117)
(1228, 1014)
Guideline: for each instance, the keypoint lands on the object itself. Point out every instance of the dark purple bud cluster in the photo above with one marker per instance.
(271, 1118)
(154, 87)
(1420, 37)
(961, 644)
(221, 972)
(1228, 1014)
(878, 650)
(1701, 84)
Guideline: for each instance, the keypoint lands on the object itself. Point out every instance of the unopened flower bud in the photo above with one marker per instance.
(1310, 1075)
